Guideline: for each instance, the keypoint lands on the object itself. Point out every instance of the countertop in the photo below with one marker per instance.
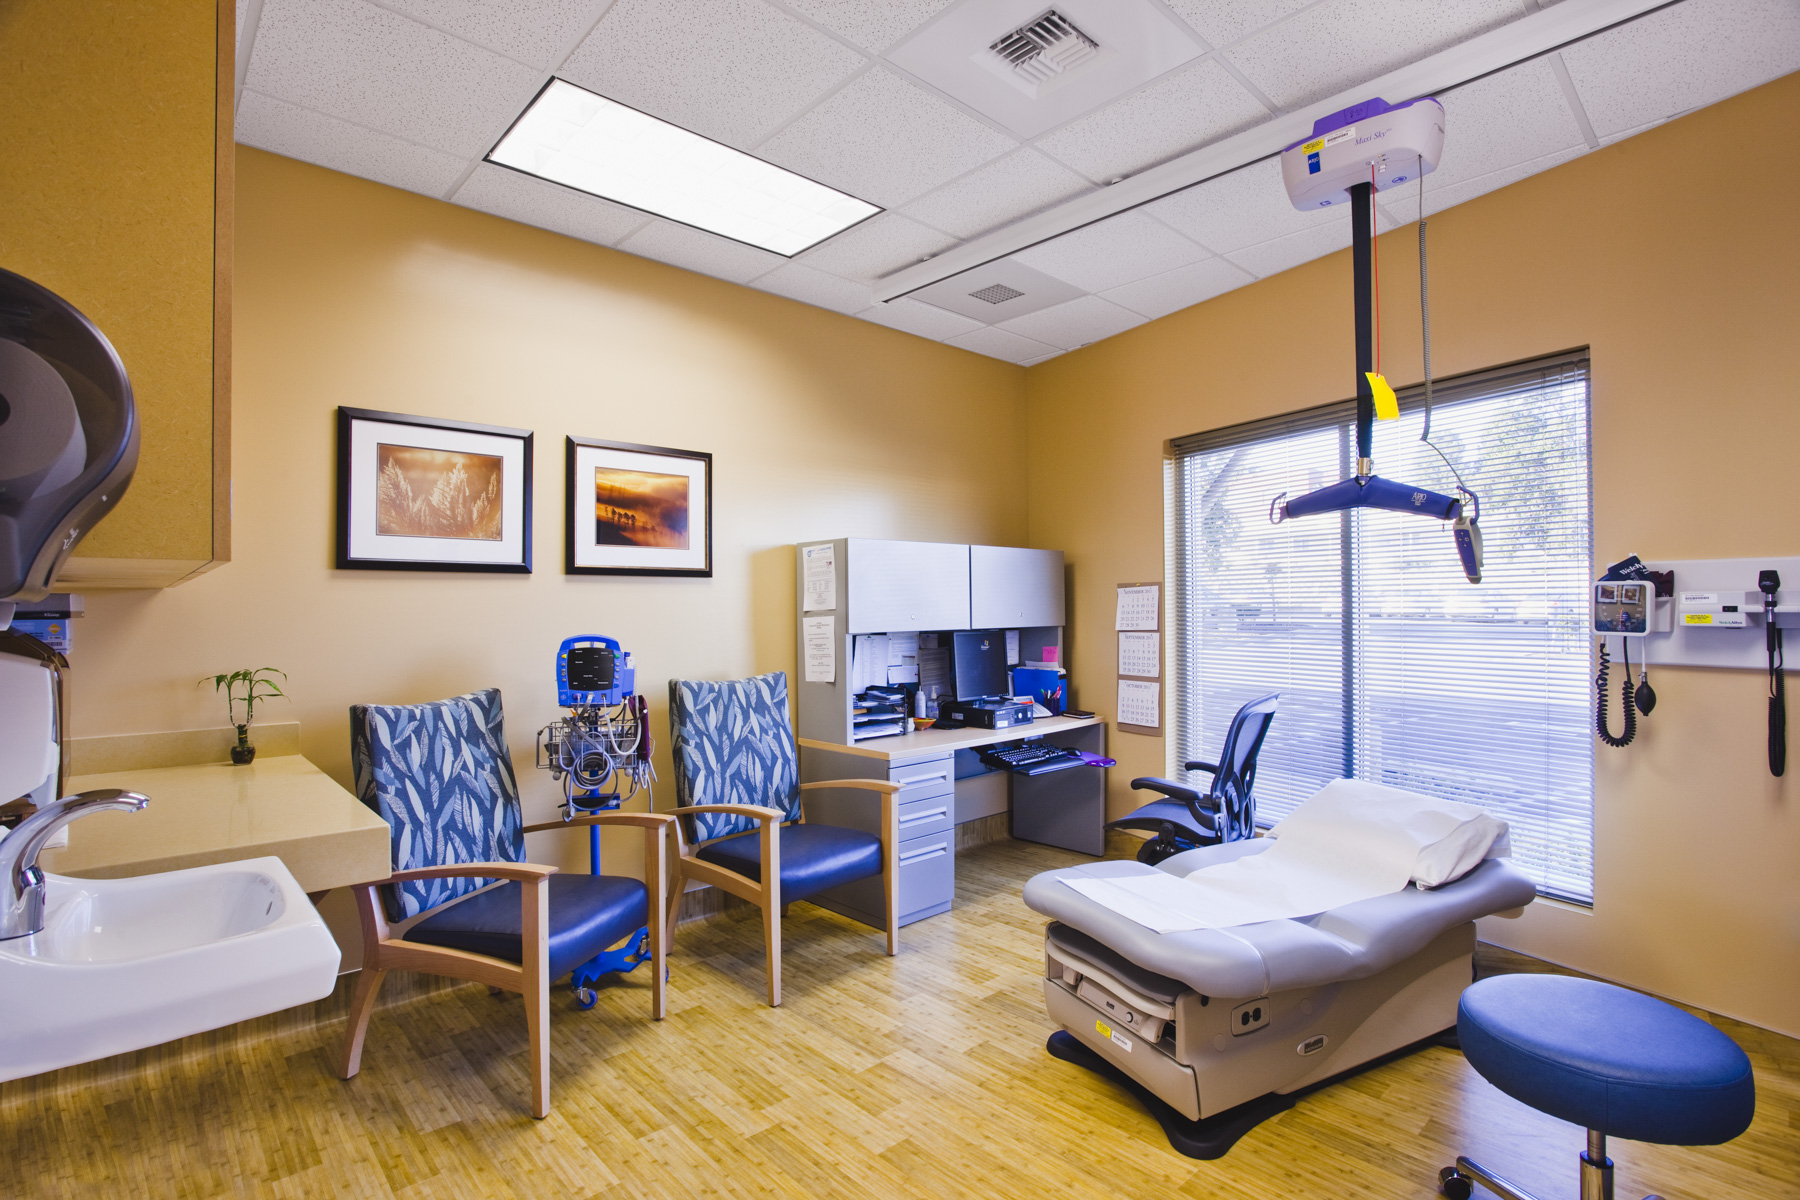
(928, 743)
(206, 813)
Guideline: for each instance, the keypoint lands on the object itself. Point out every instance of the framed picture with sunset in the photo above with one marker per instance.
(637, 510)
(424, 494)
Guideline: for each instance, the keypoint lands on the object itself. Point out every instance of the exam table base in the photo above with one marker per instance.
(1213, 1136)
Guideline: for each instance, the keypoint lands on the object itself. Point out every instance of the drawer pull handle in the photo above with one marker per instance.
(918, 856)
(918, 779)
(930, 814)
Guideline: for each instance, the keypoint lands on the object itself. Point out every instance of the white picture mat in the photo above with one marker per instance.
(589, 554)
(366, 543)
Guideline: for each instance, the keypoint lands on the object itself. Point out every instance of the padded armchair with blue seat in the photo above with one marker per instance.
(737, 780)
(440, 775)
(1226, 812)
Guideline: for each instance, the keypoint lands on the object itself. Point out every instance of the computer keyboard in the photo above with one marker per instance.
(1032, 758)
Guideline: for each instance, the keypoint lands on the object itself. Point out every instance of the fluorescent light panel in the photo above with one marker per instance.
(574, 137)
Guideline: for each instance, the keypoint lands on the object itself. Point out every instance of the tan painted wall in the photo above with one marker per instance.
(356, 294)
(1676, 257)
(107, 197)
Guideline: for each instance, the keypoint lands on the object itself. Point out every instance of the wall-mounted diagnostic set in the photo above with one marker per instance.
(599, 750)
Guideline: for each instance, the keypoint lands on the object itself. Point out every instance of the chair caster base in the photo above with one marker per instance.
(586, 998)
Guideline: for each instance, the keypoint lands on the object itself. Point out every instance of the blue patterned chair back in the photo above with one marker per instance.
(733, 745)
(440, 776)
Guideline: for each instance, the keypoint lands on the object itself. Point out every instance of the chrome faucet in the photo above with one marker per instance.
(21, 882)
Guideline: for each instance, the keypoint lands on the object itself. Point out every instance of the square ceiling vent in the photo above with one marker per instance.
(1033, 68)
(998, 291)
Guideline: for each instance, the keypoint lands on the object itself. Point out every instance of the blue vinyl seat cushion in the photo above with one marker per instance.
(588, 914)
(1607, 1059)
(813, 857)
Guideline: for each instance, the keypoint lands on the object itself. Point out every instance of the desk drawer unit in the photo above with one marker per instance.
(927, 816)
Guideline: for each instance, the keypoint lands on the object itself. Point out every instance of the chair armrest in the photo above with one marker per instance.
(756, 811)
(1200, 766)
(647, 820)
(523, 872)
(873, 785)
(1173, 790)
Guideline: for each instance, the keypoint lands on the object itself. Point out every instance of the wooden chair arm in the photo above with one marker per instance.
(647, 820)
(873, 785)
(756, 811)
(523, 872)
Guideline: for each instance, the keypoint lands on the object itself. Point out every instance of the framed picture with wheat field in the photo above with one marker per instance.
(636, 510)
(427, 494)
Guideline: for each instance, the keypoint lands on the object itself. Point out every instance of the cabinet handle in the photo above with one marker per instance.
(928, 815)
(918, 779)
(918, 856)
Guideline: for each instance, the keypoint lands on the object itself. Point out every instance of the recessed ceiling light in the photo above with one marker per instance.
(581, 140)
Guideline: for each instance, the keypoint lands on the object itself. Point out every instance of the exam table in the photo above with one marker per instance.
(1217, 1029)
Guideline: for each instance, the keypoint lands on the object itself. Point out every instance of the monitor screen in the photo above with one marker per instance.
(979, 664)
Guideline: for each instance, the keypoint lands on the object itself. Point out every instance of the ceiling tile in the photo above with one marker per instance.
(1223, 22)
(1195, 105)
(1336, 45)
(1240, 209)
(1273, 257)
(884, 140)
(1184, 287)
(269, 124)
(872, 24)
(1003, 191)
(729, 69)
(995, 292)
(1080, 321)
(925, 320)
(800, 282)
(561, 210)
(697, 250)
(997, 343)
(1032, 362)
(533, 31)
(1683, 57)
(1112, 252)
(381, 70)
(1495, 123)
(879, 246)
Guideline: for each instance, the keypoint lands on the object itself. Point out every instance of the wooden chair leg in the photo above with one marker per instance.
(656, 870)
(787, 909)
(362, 1005)
(536, 931)
(677, 885)
(772, 942)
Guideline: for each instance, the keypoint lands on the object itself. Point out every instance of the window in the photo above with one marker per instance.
(1391, 666)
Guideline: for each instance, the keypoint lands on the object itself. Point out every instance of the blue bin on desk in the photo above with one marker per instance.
(1048, 688)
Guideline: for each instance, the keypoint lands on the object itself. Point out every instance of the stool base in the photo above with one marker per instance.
(1458, 1182)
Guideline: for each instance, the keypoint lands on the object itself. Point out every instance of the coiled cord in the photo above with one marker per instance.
(1625, 692)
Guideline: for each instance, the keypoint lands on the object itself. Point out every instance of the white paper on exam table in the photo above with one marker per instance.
(821, 649)
(1351, 841)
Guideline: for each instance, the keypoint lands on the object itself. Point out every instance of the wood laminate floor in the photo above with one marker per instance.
(921, 1076)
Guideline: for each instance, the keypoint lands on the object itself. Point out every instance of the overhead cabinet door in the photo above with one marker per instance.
(907, 585)
(1014, 588)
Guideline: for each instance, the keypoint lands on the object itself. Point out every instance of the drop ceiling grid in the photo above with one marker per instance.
(412, 93)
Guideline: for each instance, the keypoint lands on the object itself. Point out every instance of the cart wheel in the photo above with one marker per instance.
(1455, 1184)
(587, 996)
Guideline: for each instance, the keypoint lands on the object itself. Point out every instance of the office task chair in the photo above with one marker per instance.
(440, 775)
(742, 828)
(1226, 812)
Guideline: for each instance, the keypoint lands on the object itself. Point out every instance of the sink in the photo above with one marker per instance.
(126, 963)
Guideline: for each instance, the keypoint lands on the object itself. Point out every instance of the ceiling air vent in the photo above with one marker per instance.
(997, 293)
(1045, 47)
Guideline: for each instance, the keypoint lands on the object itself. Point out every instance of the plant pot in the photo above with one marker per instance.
(243, 753)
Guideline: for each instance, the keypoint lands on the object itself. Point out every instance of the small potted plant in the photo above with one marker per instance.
(247, 686)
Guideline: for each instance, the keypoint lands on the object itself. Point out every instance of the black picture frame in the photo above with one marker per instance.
(348, 559)
(574, 499)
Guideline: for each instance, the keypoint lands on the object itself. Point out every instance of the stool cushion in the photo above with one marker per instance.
(1607, 1059)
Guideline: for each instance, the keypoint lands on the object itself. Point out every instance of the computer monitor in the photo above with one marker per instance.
(979, 663)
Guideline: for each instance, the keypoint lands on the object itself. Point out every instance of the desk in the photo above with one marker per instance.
(1059, 808)
(218, 812)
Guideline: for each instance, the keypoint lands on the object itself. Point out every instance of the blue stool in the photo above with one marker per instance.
(1613, 1061)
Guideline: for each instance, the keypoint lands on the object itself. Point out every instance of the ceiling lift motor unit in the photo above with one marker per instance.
(1351, 154)
(68, 435)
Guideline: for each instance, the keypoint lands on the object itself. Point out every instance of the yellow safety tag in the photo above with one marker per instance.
(1697, 618)
(1387, 405)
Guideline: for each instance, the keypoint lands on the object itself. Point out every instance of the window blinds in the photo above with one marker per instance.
(1391, 666)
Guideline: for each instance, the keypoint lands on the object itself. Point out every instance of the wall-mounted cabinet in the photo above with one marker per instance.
(1011, 587)
(115, 193)
(905, 585)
